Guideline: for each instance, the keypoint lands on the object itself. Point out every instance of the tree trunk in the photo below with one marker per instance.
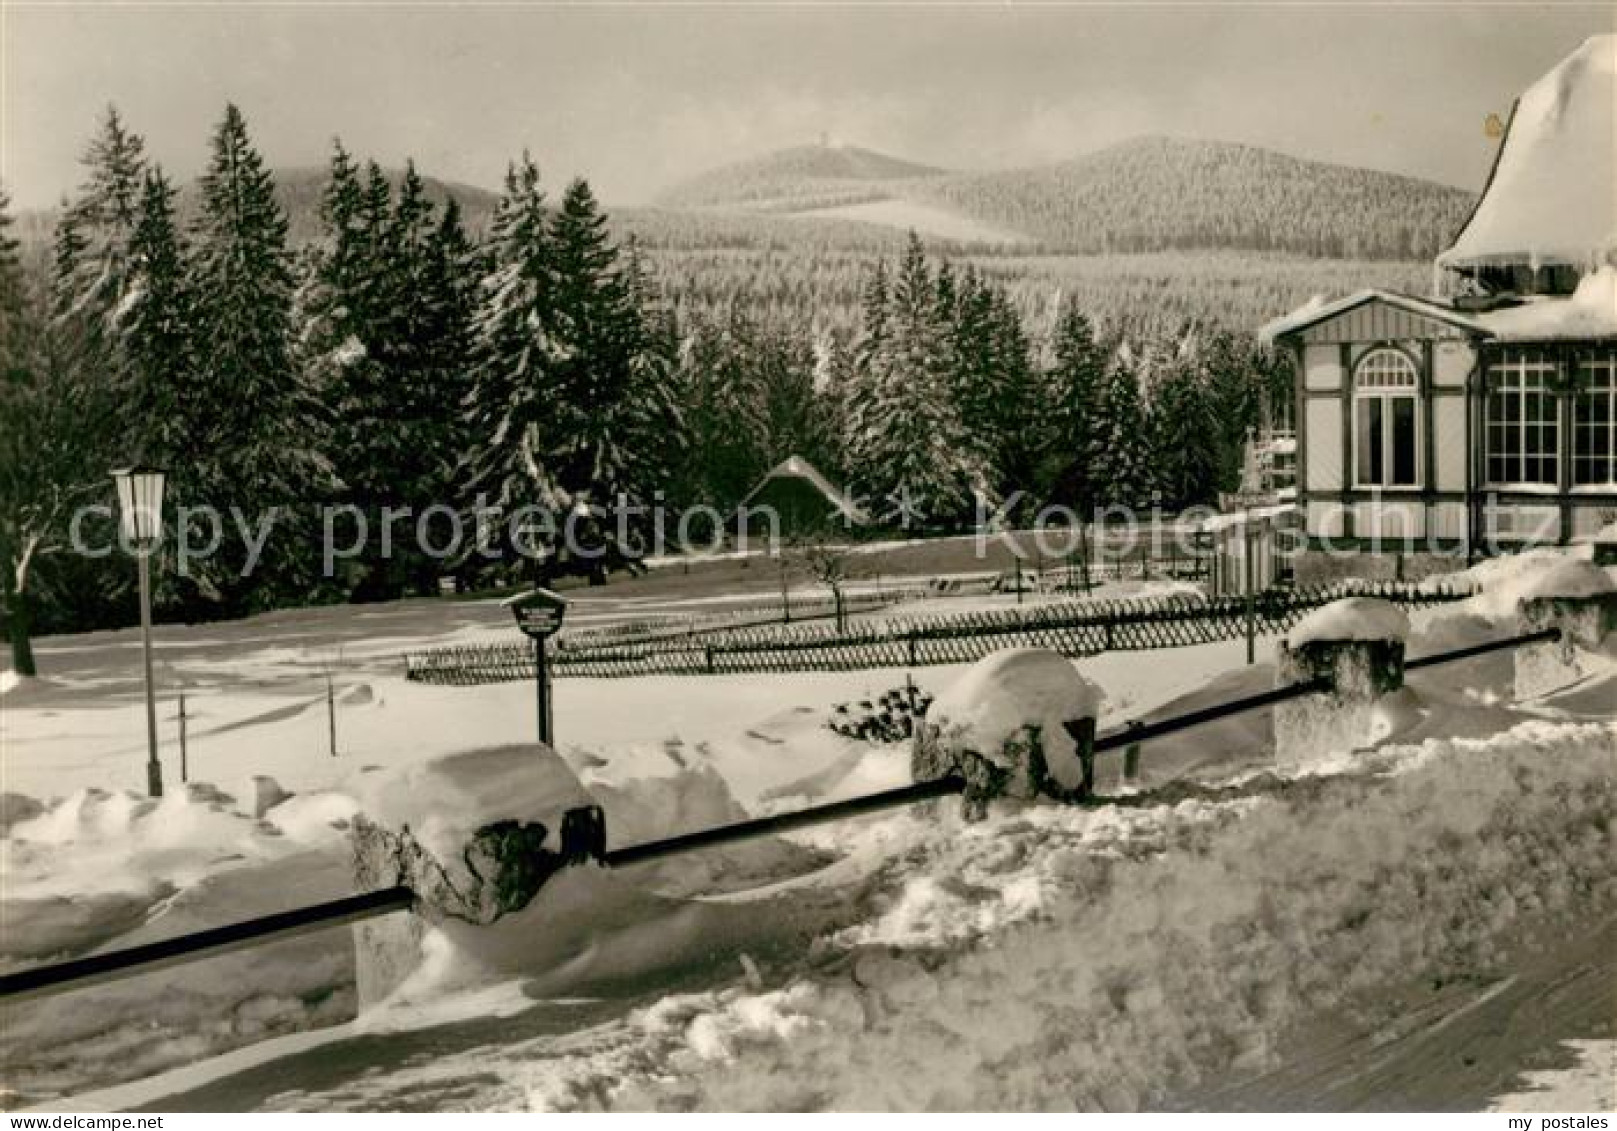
(19, 626)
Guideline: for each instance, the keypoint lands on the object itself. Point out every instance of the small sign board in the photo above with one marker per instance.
(539, 613)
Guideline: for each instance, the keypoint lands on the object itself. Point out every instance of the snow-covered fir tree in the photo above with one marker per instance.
(1119, 452)
(1186, 439)
(615, 423)
(91, 265)
(157, 342)
(1074, 385)
(11, 279)
(907, 442)
(723, 396)
(510, 412)
(263, 435)
(572, 407)
(385, 327)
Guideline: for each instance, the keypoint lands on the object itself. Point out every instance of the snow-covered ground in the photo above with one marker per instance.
(1218, 939)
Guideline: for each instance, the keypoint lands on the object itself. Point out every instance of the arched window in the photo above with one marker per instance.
(1386, 420)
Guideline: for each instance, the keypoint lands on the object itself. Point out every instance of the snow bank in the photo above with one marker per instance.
(658, 792)
(1119, 958)
(1589, 1085)
(1003, 694)
(127, 1029)
(1353, 618)
(1500, 585)
(95, 842)
(1570, 577)
(444, 802)
(99, 871)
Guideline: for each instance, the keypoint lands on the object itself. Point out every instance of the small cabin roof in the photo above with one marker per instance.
(796, 467)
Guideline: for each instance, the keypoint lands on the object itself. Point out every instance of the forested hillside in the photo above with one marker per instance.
(803, 177)
(1149, 194)
(1157, 194)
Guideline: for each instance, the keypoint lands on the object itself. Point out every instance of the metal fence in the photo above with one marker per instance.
(1073, 628)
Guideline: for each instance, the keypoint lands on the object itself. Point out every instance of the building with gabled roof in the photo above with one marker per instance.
(1483, 417)
(801, 499)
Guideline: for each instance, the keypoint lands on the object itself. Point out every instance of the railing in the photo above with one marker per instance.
(91, 969)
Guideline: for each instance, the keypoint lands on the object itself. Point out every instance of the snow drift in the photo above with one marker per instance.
(1117, 959)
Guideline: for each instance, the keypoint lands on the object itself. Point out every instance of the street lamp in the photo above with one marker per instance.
(140, 506)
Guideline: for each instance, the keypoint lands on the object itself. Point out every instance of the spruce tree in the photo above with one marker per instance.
(1186, 444)
(1074, 385)
(723, 396)
(11, 280)
(158, 338)
(446, 308)
(1118, 452)
(91, 264)
(909, 446)
(610, 383)
(510, 411)
(262, 443)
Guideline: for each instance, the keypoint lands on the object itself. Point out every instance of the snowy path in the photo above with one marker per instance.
(1457, 1047)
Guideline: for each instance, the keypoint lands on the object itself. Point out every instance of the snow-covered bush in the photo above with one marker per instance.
(890, 718)
(1002, 726)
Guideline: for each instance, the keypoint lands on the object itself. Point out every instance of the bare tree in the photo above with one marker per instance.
(829, 565)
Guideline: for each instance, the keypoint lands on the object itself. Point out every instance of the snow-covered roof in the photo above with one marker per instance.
(1552, 195)
(1590, 313)
(1317, 309)
(796, 467)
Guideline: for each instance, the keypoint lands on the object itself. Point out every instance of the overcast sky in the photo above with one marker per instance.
(635, 96)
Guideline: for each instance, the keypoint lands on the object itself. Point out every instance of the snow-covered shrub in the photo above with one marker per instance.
(890, 718)
(1002, 727)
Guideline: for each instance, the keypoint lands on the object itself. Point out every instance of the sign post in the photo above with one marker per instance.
(539, 615)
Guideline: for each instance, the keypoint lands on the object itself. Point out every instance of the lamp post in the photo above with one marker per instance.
(140, 507)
